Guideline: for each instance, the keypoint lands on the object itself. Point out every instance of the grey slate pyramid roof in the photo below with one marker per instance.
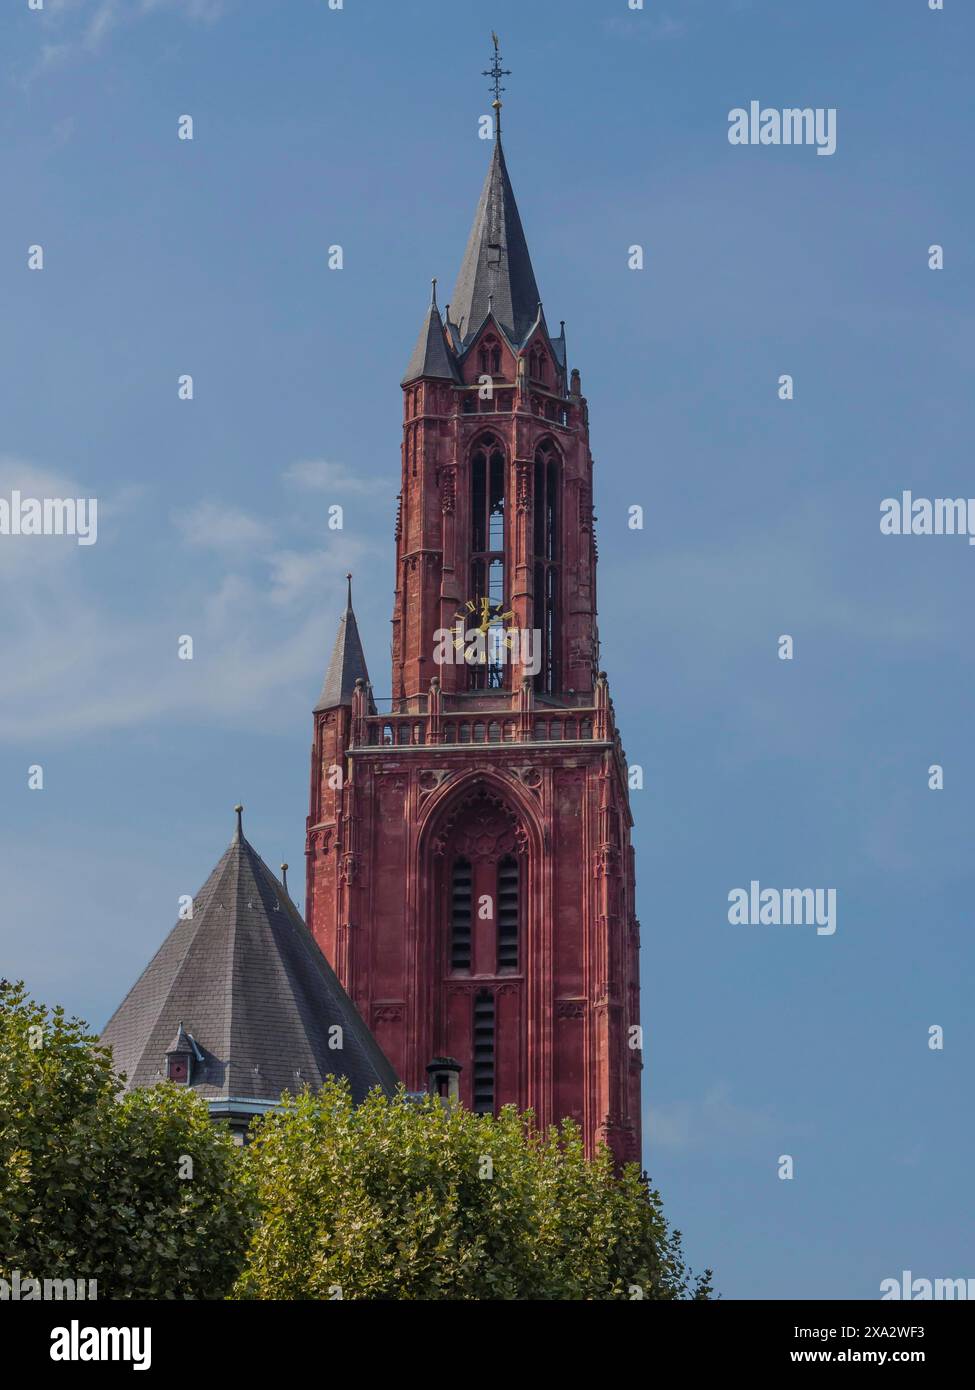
(431, 357)
(496, 264)
(246, 980)
(348, 662)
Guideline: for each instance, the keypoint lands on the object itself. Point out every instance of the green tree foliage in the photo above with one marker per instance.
(92, 1187)
(401, 1199)
(410, 1200)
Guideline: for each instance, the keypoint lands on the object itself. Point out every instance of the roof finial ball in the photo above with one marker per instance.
(239, 810)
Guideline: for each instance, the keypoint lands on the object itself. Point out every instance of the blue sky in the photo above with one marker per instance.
(359, 127)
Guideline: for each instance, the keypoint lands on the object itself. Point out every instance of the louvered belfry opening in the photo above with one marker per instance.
(461, 911)
(508, 913)
(483, 862)
(484, 1031)
(483, 889)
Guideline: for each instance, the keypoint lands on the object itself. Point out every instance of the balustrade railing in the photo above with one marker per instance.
(415, 730)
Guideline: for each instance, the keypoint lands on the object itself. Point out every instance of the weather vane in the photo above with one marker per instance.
(496, 72)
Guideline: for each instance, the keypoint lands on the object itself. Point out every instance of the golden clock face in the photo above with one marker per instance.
(481, 615)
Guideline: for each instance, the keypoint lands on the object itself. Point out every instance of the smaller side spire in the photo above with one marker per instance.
(433, 356)
(348, 663)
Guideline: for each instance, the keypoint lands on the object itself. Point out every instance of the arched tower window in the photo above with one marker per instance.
(547, 556)
(481, 864)
(487, 579)
(483, 855)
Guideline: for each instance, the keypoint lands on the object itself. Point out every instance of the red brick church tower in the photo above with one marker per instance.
(469, 868)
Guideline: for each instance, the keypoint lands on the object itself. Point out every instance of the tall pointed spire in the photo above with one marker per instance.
(496, 273)
(348, 661)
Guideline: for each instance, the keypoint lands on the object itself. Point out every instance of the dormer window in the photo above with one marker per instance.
(181, 1055)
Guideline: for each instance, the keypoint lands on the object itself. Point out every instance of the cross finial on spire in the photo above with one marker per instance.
(496, 72)
(433, 293)
(240, 819)
(348, 590)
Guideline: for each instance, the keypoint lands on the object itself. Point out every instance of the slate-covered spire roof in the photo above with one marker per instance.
(348, 663)
(431, 357)
(245, 979)
(496, 265)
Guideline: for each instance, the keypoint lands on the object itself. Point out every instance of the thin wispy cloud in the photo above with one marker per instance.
(321, 475)
(723, 589)
(261, 627)
(649, 25)
(214, 526)
(716, 1121)
(648, 28)
(75, 29)
(295, 574)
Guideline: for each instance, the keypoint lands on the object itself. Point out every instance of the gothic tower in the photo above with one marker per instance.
(469, 868)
